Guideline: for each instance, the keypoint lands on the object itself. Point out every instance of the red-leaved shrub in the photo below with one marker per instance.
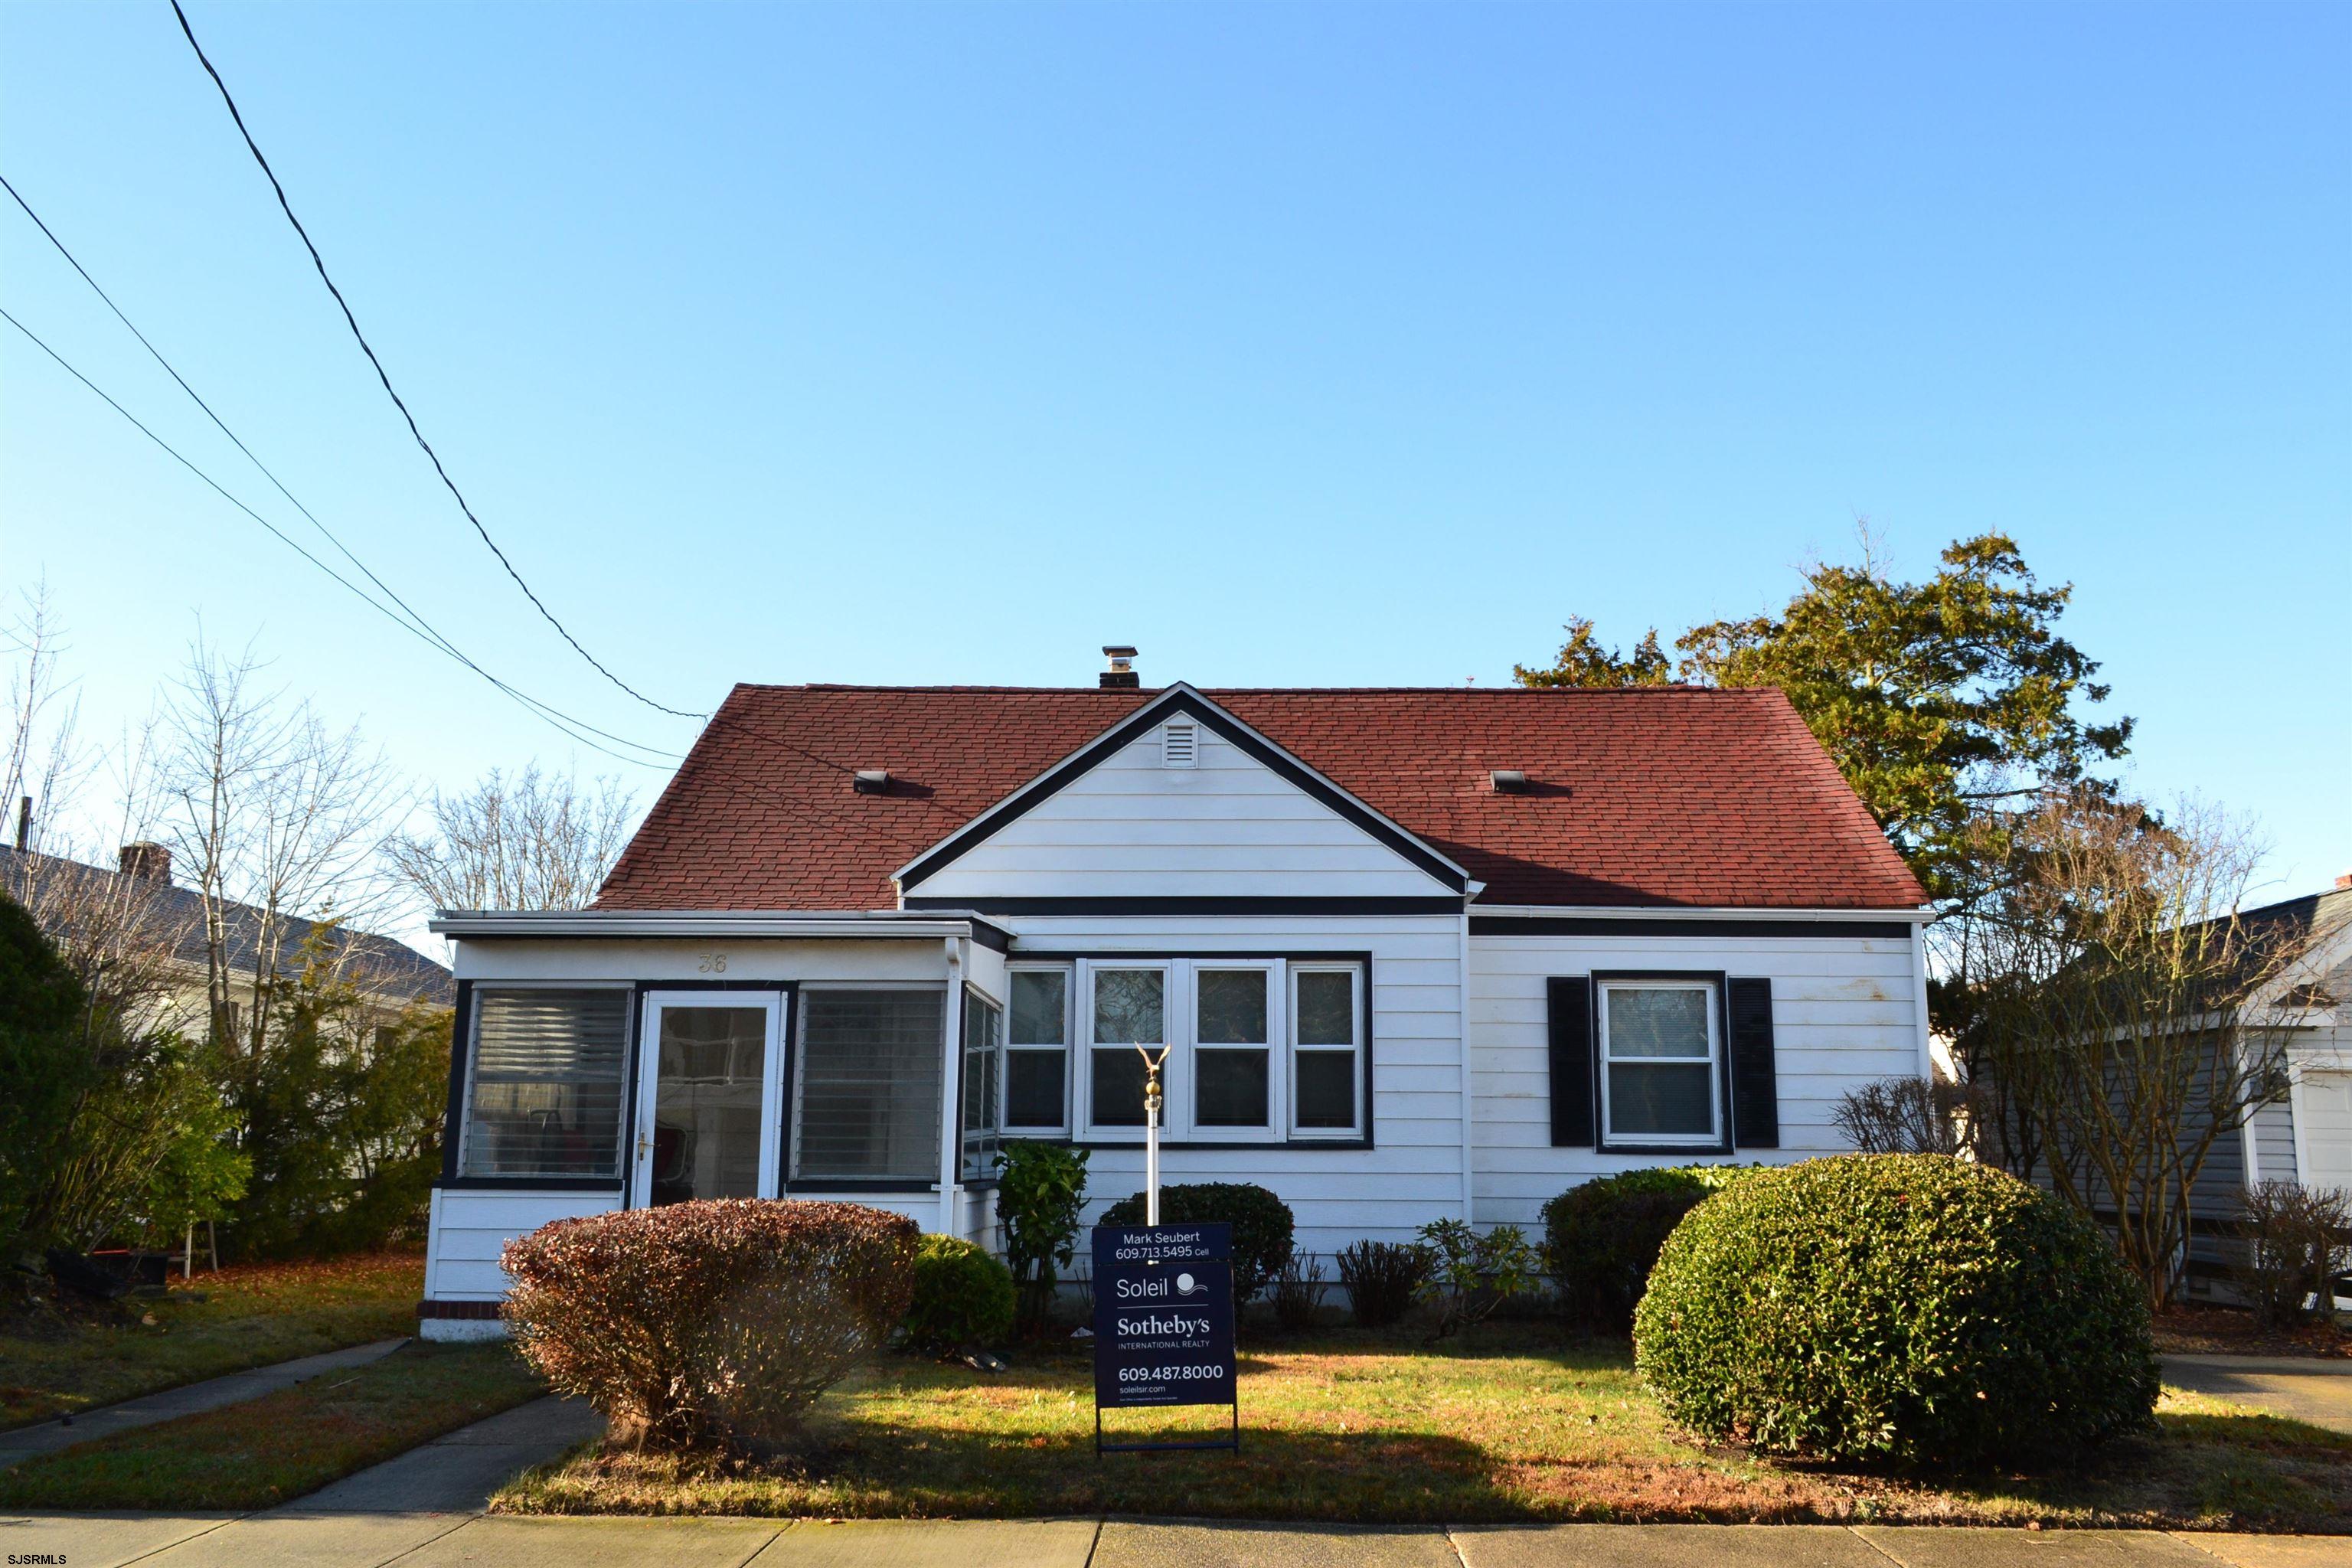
(708, 1325)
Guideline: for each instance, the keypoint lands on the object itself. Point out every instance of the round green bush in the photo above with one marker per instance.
(1904, 1310)
(1601, 1239)
(1262, 1225)
(962, 1297)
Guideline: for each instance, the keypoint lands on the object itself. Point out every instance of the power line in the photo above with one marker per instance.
(420, 625)
(352, 321)
(571, 727)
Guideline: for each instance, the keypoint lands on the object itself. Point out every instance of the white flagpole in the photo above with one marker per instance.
(1151, 1098)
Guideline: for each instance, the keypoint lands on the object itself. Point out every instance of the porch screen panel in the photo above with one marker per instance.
(868, 1086)
(544, 1080)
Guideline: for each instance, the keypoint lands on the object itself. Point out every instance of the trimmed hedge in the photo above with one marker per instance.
(708, 1325)
(962, 1298)
(1262, 1225)
(1910, 1310)
(1601, 1239)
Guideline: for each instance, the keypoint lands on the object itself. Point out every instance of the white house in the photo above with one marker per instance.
(1414, 954)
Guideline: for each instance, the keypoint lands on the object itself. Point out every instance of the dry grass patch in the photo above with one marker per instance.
(284, 1445)
(246, 1316)
(1361, 1427)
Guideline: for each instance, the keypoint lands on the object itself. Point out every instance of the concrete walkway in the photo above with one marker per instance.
(2305, 1387)
(447, 1541)
(89, 1425)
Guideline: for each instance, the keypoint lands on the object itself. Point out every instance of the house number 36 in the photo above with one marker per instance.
(714, 963)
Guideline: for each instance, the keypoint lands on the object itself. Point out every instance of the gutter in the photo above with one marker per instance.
(802, 924)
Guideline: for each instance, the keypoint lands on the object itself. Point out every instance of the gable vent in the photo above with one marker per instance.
(1180, 745)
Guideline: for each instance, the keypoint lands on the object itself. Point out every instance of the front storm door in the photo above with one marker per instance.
(709, 1099)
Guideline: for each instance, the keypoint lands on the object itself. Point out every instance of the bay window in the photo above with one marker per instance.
(983, 1060)
(1129, 1009)
(1231, 1048)
(1037, 1052)
(1661, 1062)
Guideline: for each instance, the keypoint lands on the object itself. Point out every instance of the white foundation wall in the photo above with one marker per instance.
(1412, 1174)
(1845, 1010)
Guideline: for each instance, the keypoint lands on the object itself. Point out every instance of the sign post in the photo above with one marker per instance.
(1164, 1325)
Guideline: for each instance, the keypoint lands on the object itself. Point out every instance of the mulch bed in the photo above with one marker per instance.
(2232, 1330)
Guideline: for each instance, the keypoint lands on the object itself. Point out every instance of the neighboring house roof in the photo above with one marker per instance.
(377, 964)
(1664, 796)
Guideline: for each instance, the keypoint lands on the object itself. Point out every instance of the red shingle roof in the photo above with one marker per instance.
(1672, 797)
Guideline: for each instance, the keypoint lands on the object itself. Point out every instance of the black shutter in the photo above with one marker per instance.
(1755, 1082)
(1571, 999)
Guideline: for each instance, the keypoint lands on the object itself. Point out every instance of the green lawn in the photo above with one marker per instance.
(1355, 1426)
(246, 1316)
(285, 1445)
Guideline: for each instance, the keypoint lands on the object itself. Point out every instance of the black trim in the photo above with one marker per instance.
(1184, 699)
(862, 1184)
(529, 1185)
(1754, 1080)
(1618, 925)
(1601, 1141)
(993, 938)
(461, 1041)
(1439, 905)
(1568, 1000)
(1285, 1144)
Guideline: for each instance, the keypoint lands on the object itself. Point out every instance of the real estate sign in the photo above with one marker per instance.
(1163, 1322)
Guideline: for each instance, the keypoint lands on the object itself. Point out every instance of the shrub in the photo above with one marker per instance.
(1469, 1275)
(1261, 1222)
(1382, 1279)
(2293, 1237)
(1601, 1239)
(1038, 1196)
(1901, 1115)
(1298, 1293)
(708, 1325)
(963, 1298)
(1904, 1309)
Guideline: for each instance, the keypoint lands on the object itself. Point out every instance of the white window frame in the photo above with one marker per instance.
(771, 1061)
(1277, 1057)
(1712, 988)
(1361, 1004)
(1068, 1051)
(1174, 1027)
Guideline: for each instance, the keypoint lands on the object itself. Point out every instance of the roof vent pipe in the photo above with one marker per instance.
(1120, 675)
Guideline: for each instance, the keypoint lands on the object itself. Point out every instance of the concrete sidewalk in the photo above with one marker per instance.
(448, 1540)
(2307, 1388)
(188, 1399)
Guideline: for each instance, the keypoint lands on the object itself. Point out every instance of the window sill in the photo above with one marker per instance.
(528, 1184)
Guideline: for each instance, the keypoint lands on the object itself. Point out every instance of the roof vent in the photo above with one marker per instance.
(1121, 675)
(1509, 780)
(1180, 745)
(871, 781)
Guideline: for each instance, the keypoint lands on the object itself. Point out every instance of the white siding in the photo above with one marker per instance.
(1227, 826)
(1412, 1174)
(471, 1228)
(1843, 1013)
(2274, 1140)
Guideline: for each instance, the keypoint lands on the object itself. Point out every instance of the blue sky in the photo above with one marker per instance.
(1315, 345)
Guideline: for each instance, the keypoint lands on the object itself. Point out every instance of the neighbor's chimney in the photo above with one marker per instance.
(145, 859)
(24, 821)
(1120, 675)
(2341, 883)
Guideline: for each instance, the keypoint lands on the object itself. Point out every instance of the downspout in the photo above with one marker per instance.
(1469, 1141)
(1919, 1000)
(951, 1123)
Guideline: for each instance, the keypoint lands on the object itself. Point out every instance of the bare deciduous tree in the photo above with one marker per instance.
(276, 818)
(2118, 1018)
(537, 842)
(1902, 1116)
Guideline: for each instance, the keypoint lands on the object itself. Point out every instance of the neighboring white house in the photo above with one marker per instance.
(1415, 953)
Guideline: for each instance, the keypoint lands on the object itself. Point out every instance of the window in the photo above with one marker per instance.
(543, 1079)
(1131, 1009)
(1660, 1062)
(867, 1091)
(983, 1060)
(1259, 1048)
(1327, 1052)
(1037, 1051)
(1232, 1049)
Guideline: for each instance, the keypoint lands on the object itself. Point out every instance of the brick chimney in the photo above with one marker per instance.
(2344, 881)
(1121, 675)
(145, 859)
